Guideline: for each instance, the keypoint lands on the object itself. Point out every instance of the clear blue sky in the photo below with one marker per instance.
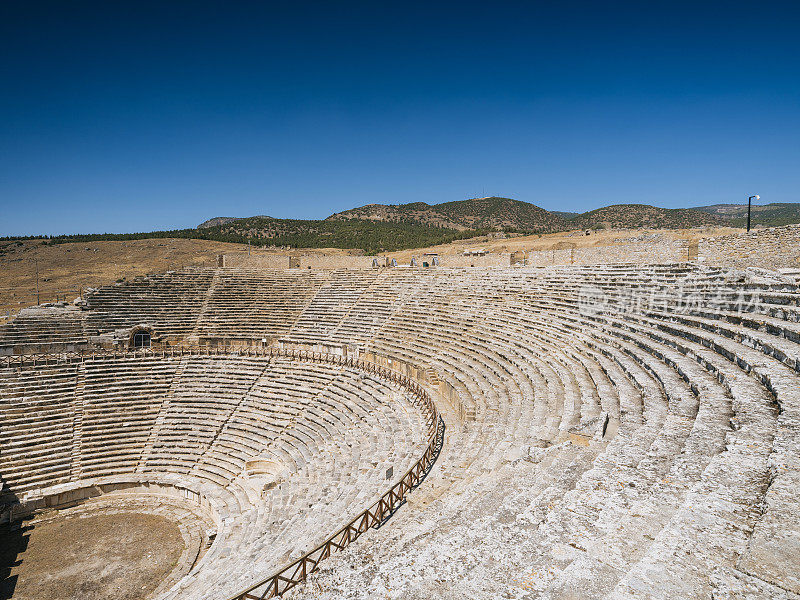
(159, 115)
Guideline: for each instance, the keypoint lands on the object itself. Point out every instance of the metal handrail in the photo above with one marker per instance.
(373, 516)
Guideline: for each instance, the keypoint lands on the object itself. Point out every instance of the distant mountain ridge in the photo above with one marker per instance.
(215, 221)
(496, 213)
(354, 234)
(506, 213)
(477, 213)
(378, 228)
(644, 216)
(769, 215)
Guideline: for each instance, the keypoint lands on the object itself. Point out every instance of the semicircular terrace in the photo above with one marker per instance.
(200, 426)
(619, 431)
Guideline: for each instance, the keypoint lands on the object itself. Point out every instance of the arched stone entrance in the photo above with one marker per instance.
(141, 337)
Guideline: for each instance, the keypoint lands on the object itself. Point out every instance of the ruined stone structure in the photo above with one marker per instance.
(772, 248)
(611, 431)
(326, 263)
(632, 252)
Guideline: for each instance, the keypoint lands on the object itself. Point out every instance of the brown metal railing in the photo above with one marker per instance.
(294, 574)
(373, 516)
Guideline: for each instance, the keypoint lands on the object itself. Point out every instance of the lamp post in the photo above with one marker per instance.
(749, 200)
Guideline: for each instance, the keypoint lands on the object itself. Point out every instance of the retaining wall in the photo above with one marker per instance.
(321, 262)
(773, 248)
(645, 252)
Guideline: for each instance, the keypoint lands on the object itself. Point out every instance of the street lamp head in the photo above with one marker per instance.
(757, 197)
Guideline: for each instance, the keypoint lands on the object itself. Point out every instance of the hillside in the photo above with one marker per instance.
(478, 213)
(377, 228)
(65, 269)
(565, 215)
(216, 221)
(644, 216)
(371, 237)
(225, 220)
(515, 215)
(768, 215)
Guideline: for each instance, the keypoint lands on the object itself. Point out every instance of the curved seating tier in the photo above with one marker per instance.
(208, 424)
(170, 303)
(45, 328)
(613, 431)
(638, 444)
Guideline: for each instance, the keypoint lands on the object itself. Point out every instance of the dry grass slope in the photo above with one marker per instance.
(66, 268)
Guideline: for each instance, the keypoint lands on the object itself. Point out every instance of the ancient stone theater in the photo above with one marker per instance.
(611, 430)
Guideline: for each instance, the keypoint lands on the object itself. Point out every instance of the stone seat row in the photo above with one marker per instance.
(693, 380)
(660, 445)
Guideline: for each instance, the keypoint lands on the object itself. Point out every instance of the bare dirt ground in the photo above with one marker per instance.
(123, 556)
